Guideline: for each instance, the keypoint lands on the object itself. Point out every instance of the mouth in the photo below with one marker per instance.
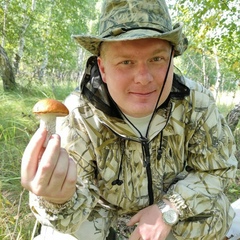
(142, 94)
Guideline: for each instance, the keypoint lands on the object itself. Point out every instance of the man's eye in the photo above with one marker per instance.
(126, 62)
(156, 59)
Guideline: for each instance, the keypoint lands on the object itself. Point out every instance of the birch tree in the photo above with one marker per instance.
(36, 35)
(6, 71)
(212, 25)
(26, 18)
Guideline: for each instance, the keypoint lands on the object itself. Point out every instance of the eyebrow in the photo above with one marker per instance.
(129, 56)
(159, 50)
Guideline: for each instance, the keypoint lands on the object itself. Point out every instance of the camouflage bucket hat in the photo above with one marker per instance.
(123, 20)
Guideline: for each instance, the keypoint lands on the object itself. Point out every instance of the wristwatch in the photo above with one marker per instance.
(170, 216)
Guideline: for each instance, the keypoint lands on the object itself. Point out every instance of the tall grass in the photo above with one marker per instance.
(17, 125)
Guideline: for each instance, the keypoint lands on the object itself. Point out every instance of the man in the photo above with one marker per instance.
(145, 153)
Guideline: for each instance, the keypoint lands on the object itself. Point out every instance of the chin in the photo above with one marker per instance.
(138, 111)
(139, 114)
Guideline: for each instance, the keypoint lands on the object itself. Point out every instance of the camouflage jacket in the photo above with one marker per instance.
(187, 157)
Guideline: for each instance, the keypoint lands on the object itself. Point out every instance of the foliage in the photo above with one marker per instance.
(43, 29)
(212, 28)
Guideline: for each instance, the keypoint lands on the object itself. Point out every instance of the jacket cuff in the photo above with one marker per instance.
(55, 208)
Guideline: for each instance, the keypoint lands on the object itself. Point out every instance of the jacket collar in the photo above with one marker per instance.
(122, 129)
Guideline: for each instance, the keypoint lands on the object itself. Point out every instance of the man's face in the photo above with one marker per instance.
(134, 72)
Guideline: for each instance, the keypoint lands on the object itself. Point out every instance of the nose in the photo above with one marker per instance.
(143, 74)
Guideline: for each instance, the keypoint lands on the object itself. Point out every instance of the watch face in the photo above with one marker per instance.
(170, 217)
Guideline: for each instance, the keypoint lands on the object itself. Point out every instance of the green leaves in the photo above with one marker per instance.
(44, 29)
(212, 24)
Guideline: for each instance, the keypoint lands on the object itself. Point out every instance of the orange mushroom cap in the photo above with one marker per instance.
(52, 106)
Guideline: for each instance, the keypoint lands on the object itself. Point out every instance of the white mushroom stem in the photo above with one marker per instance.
(48, 121)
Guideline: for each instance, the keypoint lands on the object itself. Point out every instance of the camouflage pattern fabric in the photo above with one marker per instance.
(196, 138)
(133, 19)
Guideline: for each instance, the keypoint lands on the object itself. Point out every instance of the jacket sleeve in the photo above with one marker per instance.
(69, 216)
(211, 166)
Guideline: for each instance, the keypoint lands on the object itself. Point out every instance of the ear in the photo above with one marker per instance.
(101, 68)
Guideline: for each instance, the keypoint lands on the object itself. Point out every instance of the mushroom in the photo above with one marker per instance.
(47, 111)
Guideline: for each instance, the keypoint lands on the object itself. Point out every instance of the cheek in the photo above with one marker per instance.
(115, 78)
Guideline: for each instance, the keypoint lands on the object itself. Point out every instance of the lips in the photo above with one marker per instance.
(139, 93)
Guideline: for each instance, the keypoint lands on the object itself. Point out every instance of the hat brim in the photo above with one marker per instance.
(175, 37)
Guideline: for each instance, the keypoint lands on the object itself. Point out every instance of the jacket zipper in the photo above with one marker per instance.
(147, 164)
(146, 161)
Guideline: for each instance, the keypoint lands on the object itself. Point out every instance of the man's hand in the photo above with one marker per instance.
(48, 172)
(150, 225)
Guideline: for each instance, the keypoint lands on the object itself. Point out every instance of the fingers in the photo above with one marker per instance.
(135, 219)
(150, 224)
(69, 185)
(71, 178)
(135, 235)
(47, 165)
(63, 177)
(30, 157)
(62, 184)
(48, 172)
(60, 171)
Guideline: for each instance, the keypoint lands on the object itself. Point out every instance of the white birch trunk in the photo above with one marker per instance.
(5, 7)
(21, 45)
(218, 75)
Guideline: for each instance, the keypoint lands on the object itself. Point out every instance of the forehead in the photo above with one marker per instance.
(148, 45)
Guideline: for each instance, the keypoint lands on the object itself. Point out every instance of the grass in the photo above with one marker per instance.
(17, 124)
